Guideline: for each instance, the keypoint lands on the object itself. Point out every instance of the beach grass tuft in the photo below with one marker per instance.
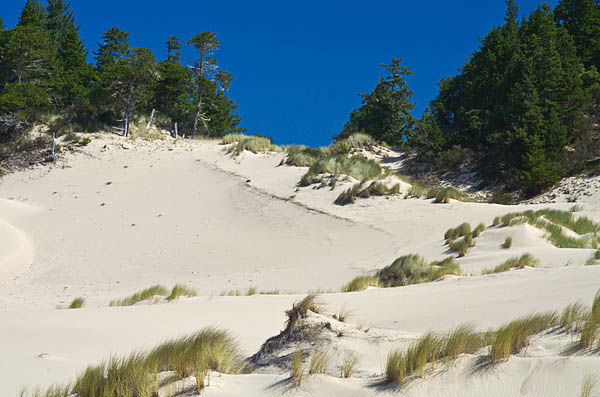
(413, 269)
(319, 361)
(357, 167)
(180, 290)
(140, 296)
(349, 363)
(507, 242)
(361, 283)
(297, 370)
(517, 262)
(77, 303)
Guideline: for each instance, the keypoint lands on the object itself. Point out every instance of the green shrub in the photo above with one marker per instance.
(356, 167)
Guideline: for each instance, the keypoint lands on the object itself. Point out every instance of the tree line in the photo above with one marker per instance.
(44, 71)
(525, 106)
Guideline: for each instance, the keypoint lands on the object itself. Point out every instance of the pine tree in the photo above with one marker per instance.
(385, 112)
(581, 18)
(115, 47)
(33, 14)
(206, 44)
(1, 24)
(173, 49)
(60, 20)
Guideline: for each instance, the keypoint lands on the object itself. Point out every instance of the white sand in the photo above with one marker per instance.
(122, 216)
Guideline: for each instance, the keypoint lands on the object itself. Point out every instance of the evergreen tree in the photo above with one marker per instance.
(115, 47)
(33, 14)
(1, 24)
(60, 20)
(206, 44)
(581, 18)
(385, 112)
(173, 49)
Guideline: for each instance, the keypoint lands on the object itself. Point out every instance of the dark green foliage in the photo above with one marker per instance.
(581, 18)
(33, 14)
(517, 102)
(173, 49)
(385, 112)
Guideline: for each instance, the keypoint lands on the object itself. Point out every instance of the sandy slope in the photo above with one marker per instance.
(122, 216)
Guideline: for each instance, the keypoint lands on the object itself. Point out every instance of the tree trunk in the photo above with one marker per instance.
(197, 115)
(126, 122)
(150, 121)
(53, 144)
(176, 132)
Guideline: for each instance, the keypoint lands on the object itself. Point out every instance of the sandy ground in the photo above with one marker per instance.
(121, 216)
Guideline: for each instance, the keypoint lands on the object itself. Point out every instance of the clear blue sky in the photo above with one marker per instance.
(298, 66)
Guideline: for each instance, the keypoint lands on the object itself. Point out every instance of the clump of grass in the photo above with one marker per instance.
(319, 361)
(508, 242)
(496, 221)
(515, 336)
(303, 156)
(462, 245)
(300, 309)
(343, 314)
(588, 385)
(180, 290)
(297, 371)
(155, 290)
(358, 190)
(457, 232)
(597, 254)
(478, 230)
(591, 260)
(576, 208)
(254, 144)
(591, 327)
(443, 195)
(77, 303)
(361, 283)
(412, 269)
(349, 363)
(356, 167)
(353, 142)
(572, 317)
(517, 262)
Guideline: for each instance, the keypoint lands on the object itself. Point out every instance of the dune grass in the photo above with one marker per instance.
(343, 314)
(516, 262)
(361, 283)
(478, 230)
(319, 361)
(180, 290)
(414, 360)
(457, 232)
(573, 317)
(507, 242)
(443, 195)
(591, 327)
(515, 336)
(303, 156)
(77, 303)
(554, 222)
(353, 142)
(297, 371)
(413, 269)
(588, 385)
(349, 363)
(136, 375)
(140, 296)
(357, 167)
(252, 143)
(359, 190)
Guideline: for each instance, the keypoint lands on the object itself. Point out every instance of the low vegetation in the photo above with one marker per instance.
(554, 222)
(357, 167)
(252, 143)
(461, 238)
(573, 317)
(180, 290)
(77, 303)
(517, 262)
(297, 371)
(413, 269)
(588, 385)
(508, 242)
(439, 194)
(366, 190)
(591, 326)
(361, 283)
(140, 296)
(349, 363)
(319, 361)
(137, 374)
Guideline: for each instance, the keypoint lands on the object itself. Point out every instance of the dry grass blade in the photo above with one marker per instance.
(349, 363)
(297, 371)
(319, 361)
(588, 385)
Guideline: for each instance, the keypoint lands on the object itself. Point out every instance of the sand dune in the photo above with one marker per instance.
(122, 216)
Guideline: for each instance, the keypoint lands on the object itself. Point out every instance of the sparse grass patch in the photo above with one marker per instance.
(361, 283)
(349, 363)
(319, 361)
(591, 327)
(515, 336)
(358, 190)
(353, 142)
(253, 143)
(180, 290)
(77, 303)
(412, 269)
(517, 262)
(297, 370)
(573, 317)
(303, 156)
(156, 290)
(343, 314)
(356, 167)
(443, 195)
(507, 242)
(588, 385)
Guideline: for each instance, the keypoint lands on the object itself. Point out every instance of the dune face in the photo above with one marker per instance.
(121, 216)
